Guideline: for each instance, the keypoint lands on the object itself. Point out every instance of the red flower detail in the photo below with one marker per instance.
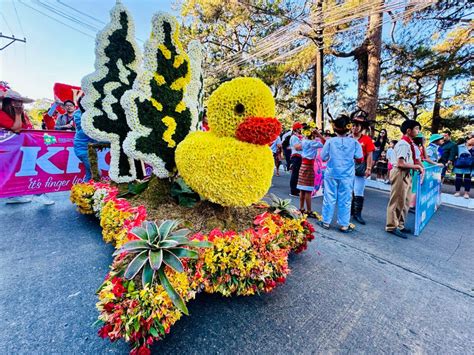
(105, 330)
(109, 307)
(258, 130)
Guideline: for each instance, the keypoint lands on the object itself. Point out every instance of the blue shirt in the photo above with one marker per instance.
(81, 140)
(274, 146)
(310, 148)
(340, 153)
(293, 141)
(432, 152)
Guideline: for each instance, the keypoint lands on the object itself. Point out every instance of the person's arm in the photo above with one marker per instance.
(453, 153)
(16, 127)
(404, 165)
(320, 136)
(370, 162)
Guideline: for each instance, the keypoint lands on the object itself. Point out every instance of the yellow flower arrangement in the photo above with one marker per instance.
(81, 195)
(209, 165)
(112, 221)
(236, 100)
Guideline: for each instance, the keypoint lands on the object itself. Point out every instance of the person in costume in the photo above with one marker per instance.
(401, 179)
(339, 152)
(309, 151)
(295, 160)
(360, 124)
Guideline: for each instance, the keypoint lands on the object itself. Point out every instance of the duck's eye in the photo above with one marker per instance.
(239, 109)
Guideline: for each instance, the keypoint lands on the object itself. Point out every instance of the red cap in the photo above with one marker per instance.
(297, 125)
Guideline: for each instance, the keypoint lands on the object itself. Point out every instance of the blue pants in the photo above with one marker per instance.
(359, 185)
(84, 157)
(337, 191)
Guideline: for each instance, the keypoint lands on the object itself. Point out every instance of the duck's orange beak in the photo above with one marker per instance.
(258, 130)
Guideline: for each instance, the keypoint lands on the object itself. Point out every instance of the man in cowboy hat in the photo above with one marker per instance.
(12, 115)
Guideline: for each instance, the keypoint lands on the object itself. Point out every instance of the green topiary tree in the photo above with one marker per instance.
(158, 110)
(117, 63)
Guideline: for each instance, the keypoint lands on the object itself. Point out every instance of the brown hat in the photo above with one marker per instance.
(10, 94)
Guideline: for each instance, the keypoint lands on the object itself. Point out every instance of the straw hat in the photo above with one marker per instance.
(10, 94)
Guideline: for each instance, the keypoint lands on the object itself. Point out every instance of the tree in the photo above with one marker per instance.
(158, 111)
(117, 63)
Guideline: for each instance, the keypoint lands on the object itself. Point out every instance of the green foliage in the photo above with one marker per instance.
(157, 248)
(183, 194)
(282, 207)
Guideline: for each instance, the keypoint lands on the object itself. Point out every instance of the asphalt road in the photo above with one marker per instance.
(368, 292)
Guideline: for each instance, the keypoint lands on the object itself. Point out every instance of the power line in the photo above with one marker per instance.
(6, 22)
(18, 18)
(55, 19)
(82, 13)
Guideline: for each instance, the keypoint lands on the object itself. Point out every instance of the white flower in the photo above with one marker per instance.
(194, 91)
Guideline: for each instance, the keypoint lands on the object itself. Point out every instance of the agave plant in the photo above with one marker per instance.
(282, 207)
(156, 248)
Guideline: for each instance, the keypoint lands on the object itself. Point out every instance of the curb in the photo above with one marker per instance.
(446, 199)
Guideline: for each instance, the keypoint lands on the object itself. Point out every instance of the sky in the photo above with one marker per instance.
(54, 52)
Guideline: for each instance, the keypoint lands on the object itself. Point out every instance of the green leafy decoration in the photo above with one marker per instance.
(158, 247)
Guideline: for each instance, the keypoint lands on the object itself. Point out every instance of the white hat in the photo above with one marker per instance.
(10, 94)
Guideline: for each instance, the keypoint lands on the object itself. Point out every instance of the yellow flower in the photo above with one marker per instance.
(236, 100)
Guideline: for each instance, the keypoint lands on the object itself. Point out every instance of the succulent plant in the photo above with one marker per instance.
(282, 207)
(156, 248)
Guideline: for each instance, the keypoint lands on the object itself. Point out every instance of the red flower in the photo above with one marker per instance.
(109, 307)
(105, 330)
(118, 289)
(258, 130)
(142, 350)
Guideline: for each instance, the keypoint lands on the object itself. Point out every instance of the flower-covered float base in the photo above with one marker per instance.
(248, 261)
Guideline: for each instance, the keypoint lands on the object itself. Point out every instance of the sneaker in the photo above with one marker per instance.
(466, 195)
(18, 199)
(43, 198)
(398, 233)
(405, 230)
(294, 195)
(457, 194)
(387, 181)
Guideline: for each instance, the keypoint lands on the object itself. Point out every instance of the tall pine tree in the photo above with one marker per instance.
(117, 63)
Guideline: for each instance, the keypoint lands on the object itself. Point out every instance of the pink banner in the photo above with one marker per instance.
(34, 162)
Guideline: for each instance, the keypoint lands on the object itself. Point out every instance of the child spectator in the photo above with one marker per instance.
(340, 153)
(401, 179)
(277, 154)
(381, 167)
(306, 175)
(391, 157)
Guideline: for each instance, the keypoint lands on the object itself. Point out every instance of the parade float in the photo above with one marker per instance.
(199, 224)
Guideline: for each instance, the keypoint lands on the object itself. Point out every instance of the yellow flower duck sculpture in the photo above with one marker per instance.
(232, 163)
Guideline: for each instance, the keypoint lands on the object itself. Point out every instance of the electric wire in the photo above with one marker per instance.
(55, 19)
(81, 12)
(18, 18)
(6, 22)
(291, 32)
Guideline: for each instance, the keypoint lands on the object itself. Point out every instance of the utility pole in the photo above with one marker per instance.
(12, 39)
(319, 65)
